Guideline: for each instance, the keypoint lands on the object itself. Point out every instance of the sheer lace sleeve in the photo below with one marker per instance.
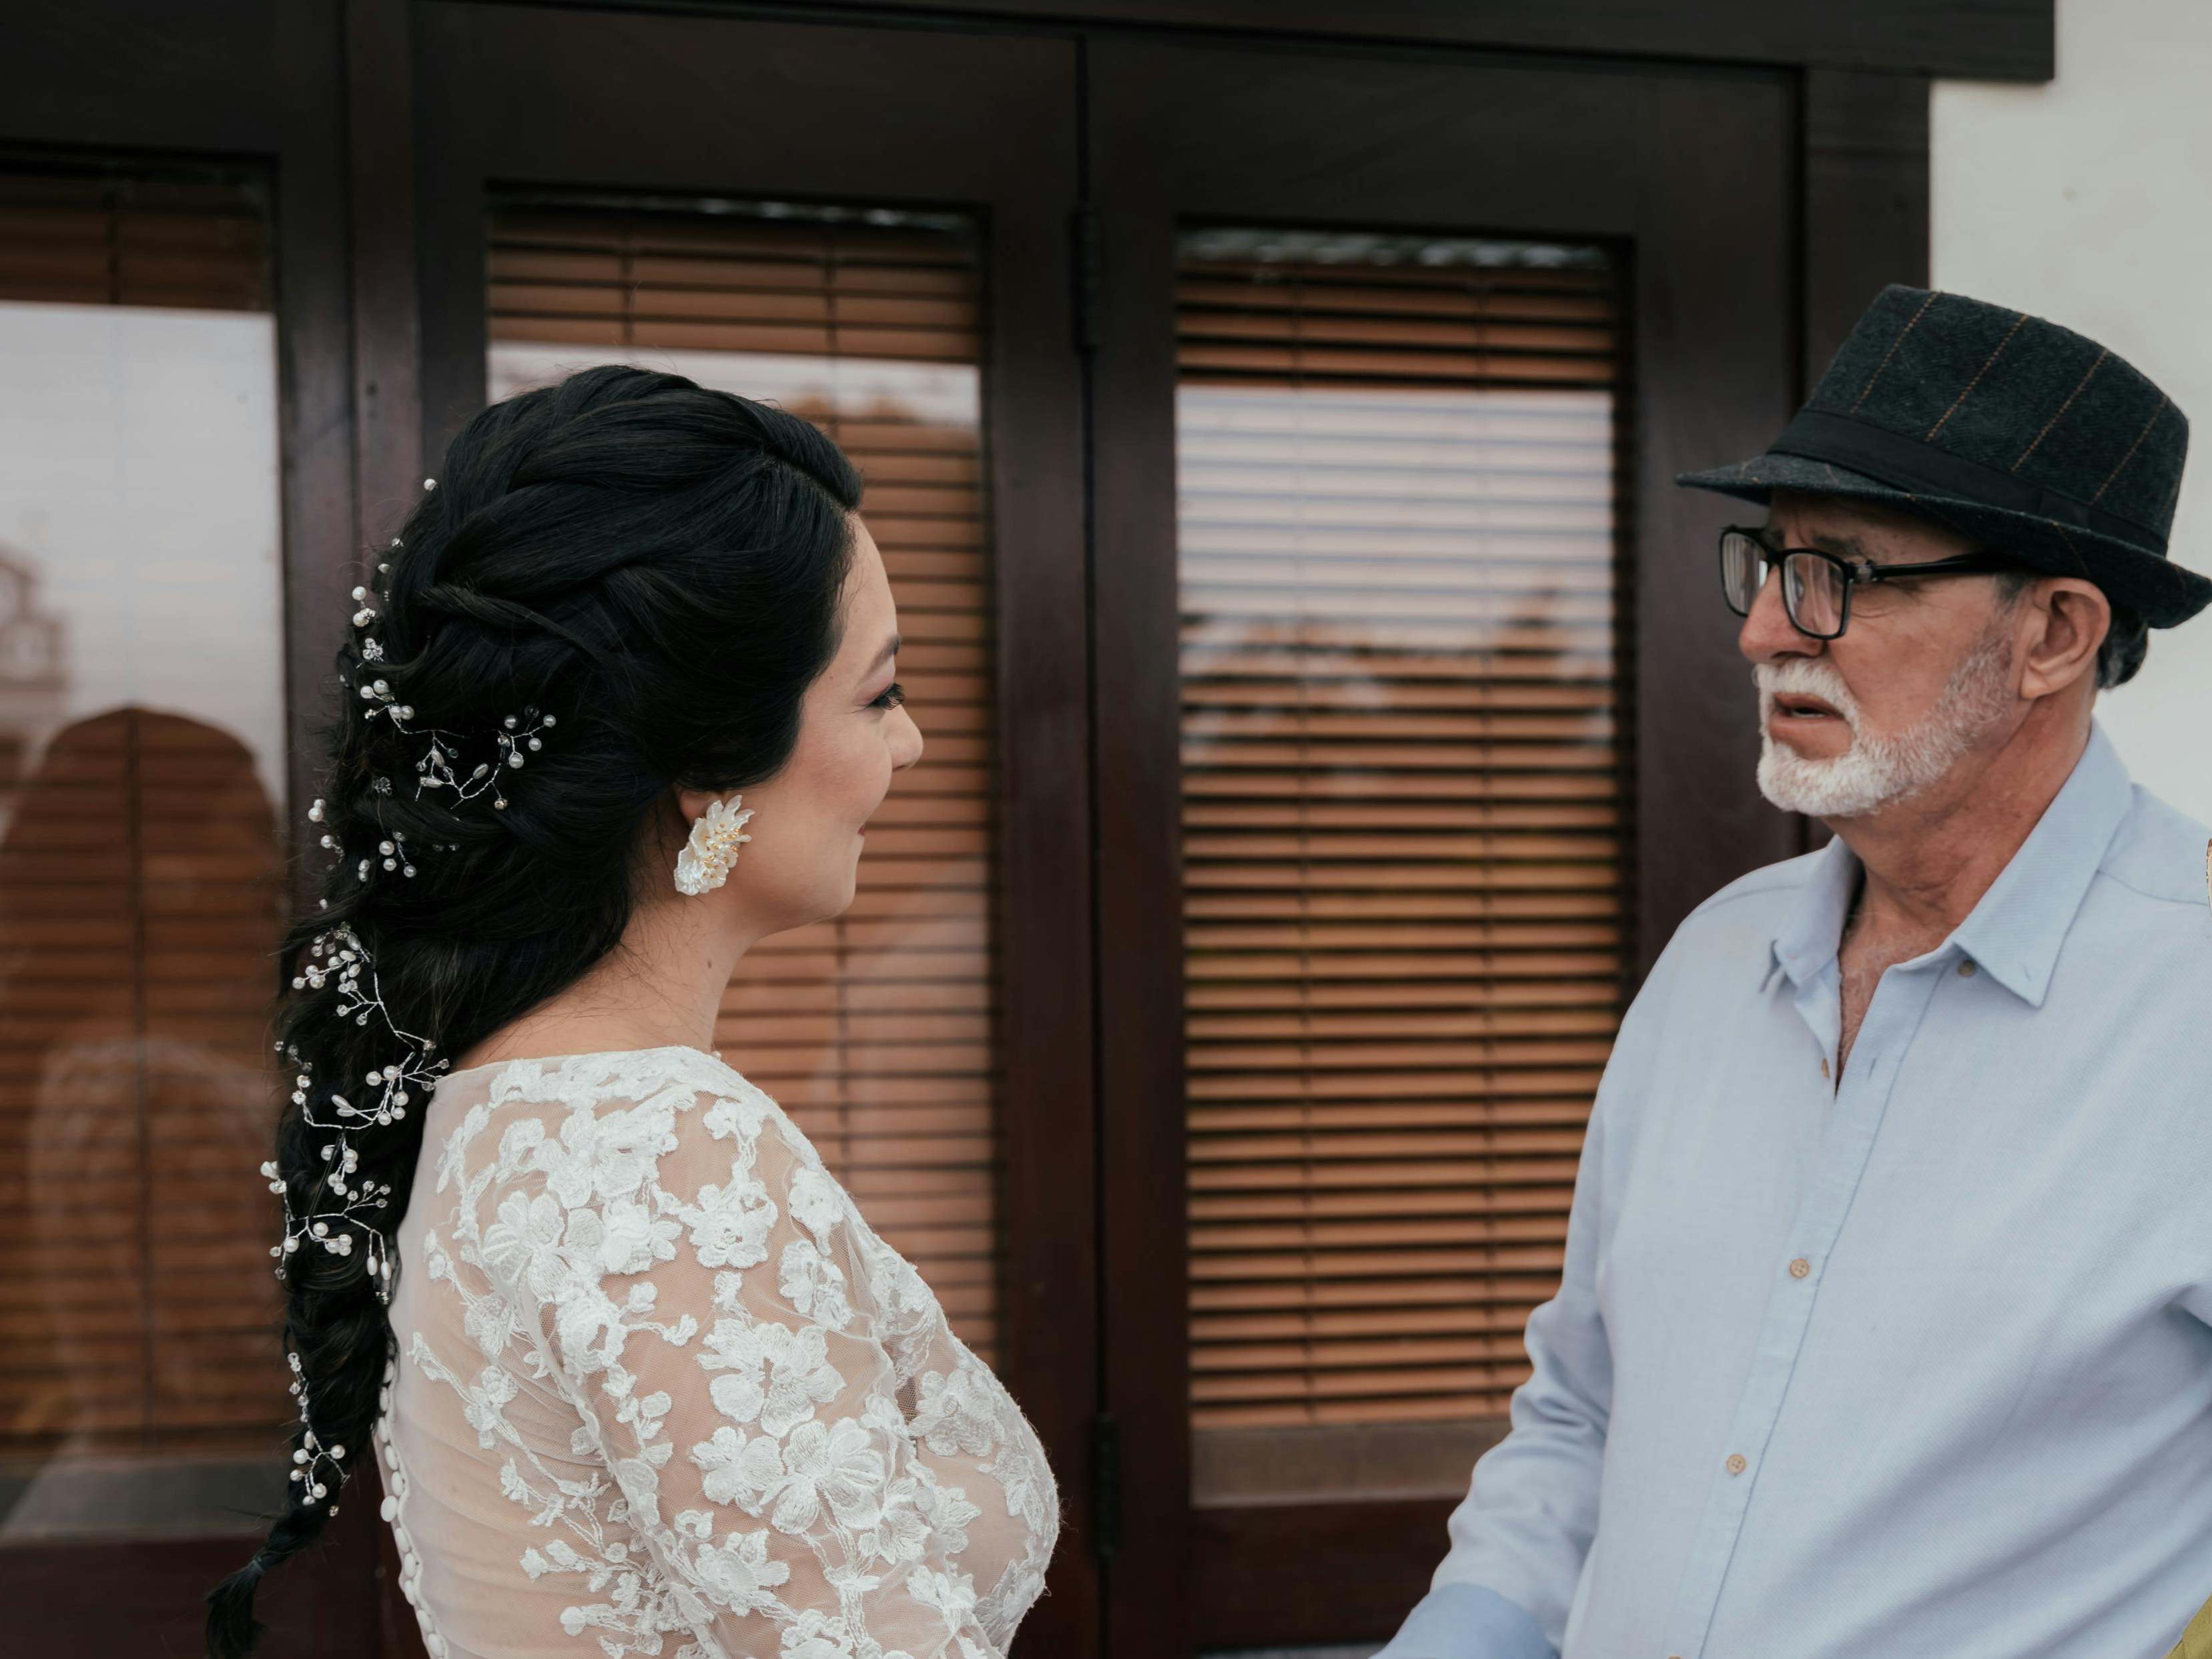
(816, 1469)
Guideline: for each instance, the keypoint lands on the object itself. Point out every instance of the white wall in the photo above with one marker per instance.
(2089, 201)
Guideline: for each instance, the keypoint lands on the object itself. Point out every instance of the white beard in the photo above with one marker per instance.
(1878, 771)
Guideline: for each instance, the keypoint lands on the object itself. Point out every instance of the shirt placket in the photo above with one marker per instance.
(1846, 1140)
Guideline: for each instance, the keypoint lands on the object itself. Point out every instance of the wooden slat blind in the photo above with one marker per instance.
(1403, 808)
(102, 239)
(827, 287)
(875, 1030)
(139, 910)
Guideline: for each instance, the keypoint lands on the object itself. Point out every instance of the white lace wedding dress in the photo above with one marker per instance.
(659, 1390)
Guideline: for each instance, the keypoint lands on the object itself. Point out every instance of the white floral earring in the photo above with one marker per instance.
(704, 863)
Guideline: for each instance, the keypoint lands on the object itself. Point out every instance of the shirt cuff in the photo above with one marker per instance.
(1466, 1621)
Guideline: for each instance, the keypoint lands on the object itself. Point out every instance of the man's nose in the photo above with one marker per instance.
(1767, 634)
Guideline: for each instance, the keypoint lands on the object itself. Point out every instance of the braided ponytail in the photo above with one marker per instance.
(620, 585)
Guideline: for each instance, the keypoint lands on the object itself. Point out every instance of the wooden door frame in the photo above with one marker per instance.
(1844, 212)
(324, 91)
(1972, 39)
(257, 82)
(927, 120)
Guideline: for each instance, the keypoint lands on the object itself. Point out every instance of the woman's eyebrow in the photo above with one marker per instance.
(890, 649)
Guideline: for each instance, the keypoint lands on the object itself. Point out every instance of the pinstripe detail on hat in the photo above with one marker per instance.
(2119, 466)
(2062, 408)
(2072, 547)
(1960, 401)
(1868, 389)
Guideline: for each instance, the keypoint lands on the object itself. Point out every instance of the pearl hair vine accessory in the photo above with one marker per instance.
(437, 768)
(339, 956)
(392, 851)
(342, 1207)
(434, 770)
(712, 849)
(315, 1467)
(341, 1212)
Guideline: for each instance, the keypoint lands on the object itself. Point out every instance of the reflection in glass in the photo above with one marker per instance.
(874, 1031)
(1403, 815)
(142, 758)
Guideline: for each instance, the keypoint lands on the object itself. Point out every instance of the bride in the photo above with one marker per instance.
(635, 1368)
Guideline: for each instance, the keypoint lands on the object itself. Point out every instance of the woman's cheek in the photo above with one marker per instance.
(870, 780)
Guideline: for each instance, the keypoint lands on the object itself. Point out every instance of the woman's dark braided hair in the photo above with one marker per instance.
(647, 572)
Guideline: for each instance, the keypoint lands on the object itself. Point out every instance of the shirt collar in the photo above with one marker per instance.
(2014, 934)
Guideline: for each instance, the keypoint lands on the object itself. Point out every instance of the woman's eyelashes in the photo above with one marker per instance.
(891, 696)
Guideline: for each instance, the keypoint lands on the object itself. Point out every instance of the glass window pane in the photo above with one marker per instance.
(874, 1031)
(1403, 821)
(142, 780)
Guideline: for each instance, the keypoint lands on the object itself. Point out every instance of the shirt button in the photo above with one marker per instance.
(1824, 1066)
(1737, 1463)
(1966, 970)
(1799, 1267)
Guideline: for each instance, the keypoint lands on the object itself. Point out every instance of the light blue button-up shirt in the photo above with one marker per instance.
(1918, 1363)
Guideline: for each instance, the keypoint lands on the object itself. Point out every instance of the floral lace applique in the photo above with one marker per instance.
(769, 1428)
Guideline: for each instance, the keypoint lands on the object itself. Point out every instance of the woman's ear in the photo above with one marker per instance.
(2072, 618)
(692, 804)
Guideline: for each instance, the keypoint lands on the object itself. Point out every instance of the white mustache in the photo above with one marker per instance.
(1804, 676)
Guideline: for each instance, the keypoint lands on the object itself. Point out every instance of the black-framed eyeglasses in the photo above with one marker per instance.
(1816, 586)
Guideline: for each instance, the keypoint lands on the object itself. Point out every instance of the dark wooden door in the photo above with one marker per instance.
(1419, 727)
(179, 494)
(870, 226)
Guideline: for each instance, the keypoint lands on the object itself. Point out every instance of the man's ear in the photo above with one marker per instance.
(2070, 620)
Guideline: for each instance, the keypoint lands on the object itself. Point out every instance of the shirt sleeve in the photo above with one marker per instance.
(732, 1369)
(1520, 1538)
(1466, 1621)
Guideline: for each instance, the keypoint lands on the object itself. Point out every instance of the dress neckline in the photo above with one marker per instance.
(563, 1061)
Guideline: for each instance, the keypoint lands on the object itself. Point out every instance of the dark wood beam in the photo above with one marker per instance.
(1865, 198)
(1974, 39)
(1380, 1557)
(381, 159)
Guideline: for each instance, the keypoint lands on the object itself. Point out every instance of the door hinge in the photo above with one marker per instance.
(1105, 1487)
(1088, 253)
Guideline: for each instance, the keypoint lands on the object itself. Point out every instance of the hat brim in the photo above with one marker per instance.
(2164, 594)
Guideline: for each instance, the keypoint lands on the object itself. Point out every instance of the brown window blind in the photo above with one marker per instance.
(1403, 808)
(875, 1030)
(139, 910)
(825, 286)
(109, 239)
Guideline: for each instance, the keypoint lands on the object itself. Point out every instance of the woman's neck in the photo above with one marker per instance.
(660, 987)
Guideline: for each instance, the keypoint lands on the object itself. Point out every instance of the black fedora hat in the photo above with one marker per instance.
(2036, 442)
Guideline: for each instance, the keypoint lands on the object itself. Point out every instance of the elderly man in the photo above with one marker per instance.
(1884, 1323)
